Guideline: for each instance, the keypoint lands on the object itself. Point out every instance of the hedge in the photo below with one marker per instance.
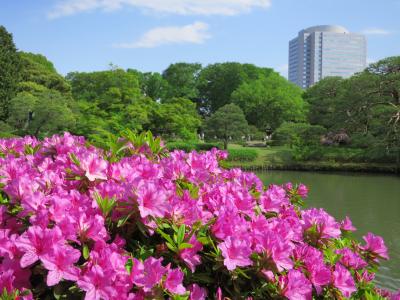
(242, 155)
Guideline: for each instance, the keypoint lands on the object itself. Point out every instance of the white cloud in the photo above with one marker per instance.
(375, 31)
(195, 33)
(180, 7)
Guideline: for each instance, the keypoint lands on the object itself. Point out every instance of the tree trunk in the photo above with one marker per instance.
(225, 144)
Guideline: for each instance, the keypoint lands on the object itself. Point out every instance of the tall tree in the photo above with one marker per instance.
(40, 115)
(228, 121)
(37, 69)
(153, 85)
(182, 80)
(269, 101)
(218, 81)
(323, 99)
(10, 68)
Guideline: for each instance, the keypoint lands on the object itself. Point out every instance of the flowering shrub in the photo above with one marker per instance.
(137, 222)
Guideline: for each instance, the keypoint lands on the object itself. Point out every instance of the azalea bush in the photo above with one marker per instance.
(138, 222)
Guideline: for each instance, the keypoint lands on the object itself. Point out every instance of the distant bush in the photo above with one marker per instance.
(242, 155)
(292, 134)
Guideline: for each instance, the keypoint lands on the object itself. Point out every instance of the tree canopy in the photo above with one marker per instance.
(269, 101)
(10, 68)
(227, 122)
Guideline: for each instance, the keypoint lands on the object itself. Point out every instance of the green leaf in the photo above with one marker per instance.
(204, 240)
(185, 246)
(181, 234)
(129, 265)
(85, 251)
(171, 247)
(180, 297)
(121, 222)
(165, 236)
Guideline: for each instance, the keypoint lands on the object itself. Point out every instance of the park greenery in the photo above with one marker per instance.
(188, 104)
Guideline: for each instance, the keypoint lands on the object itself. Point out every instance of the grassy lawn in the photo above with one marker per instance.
(280, 157)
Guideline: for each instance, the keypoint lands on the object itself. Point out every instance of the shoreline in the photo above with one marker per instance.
(368, 168)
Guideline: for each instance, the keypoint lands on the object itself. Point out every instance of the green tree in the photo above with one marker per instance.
(95, 86)
(40, 115)
(153, 85)
(10, 68)
(269, 101)
(218, 81)
(323, 98)
(182, 80)
(37, 69)
(179, 117)
(227, 122)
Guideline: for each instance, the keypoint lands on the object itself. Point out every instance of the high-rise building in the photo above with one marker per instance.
(322, 51)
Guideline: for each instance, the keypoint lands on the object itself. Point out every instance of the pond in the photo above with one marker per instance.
(371, 201)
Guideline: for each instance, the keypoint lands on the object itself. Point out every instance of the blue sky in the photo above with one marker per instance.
(148, 35)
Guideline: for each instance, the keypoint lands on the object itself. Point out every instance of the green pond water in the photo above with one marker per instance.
(371, 201)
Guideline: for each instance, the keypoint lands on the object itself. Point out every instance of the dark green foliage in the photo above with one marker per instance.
(218, 81)
(108, 88)
(242, 155)
(40, 115)
(294, 133)
(36, 69)
(365, 106)
(303, 138)
(153, 85)
(322, 98)
(182, 80)
(190, 146)
(10, 68)
(228, 122)
(267, 102)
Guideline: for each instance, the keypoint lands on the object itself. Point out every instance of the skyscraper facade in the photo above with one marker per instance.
(326, 50)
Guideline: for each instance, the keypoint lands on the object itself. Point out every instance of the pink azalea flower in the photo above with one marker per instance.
(273, 199)
(94, 167)
(173, 283)
(36, 242)
(343, 281)
(350, 259)
(325, 224)
(20, 277)
(7, 243)
(295, 286)
(375, 246)
(278, 250)
(318, 273)
(302, 191)
(365, 277)
(91, 227)
(148, 274)
(96, 284)
(197, 292)
(395, 296)
(236, 252)
(6, 280)
(152, 200)
(288, 186)
(59, 263)
(347, 225)
(190, 256)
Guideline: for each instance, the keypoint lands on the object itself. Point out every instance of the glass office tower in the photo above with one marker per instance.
(322, 51)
